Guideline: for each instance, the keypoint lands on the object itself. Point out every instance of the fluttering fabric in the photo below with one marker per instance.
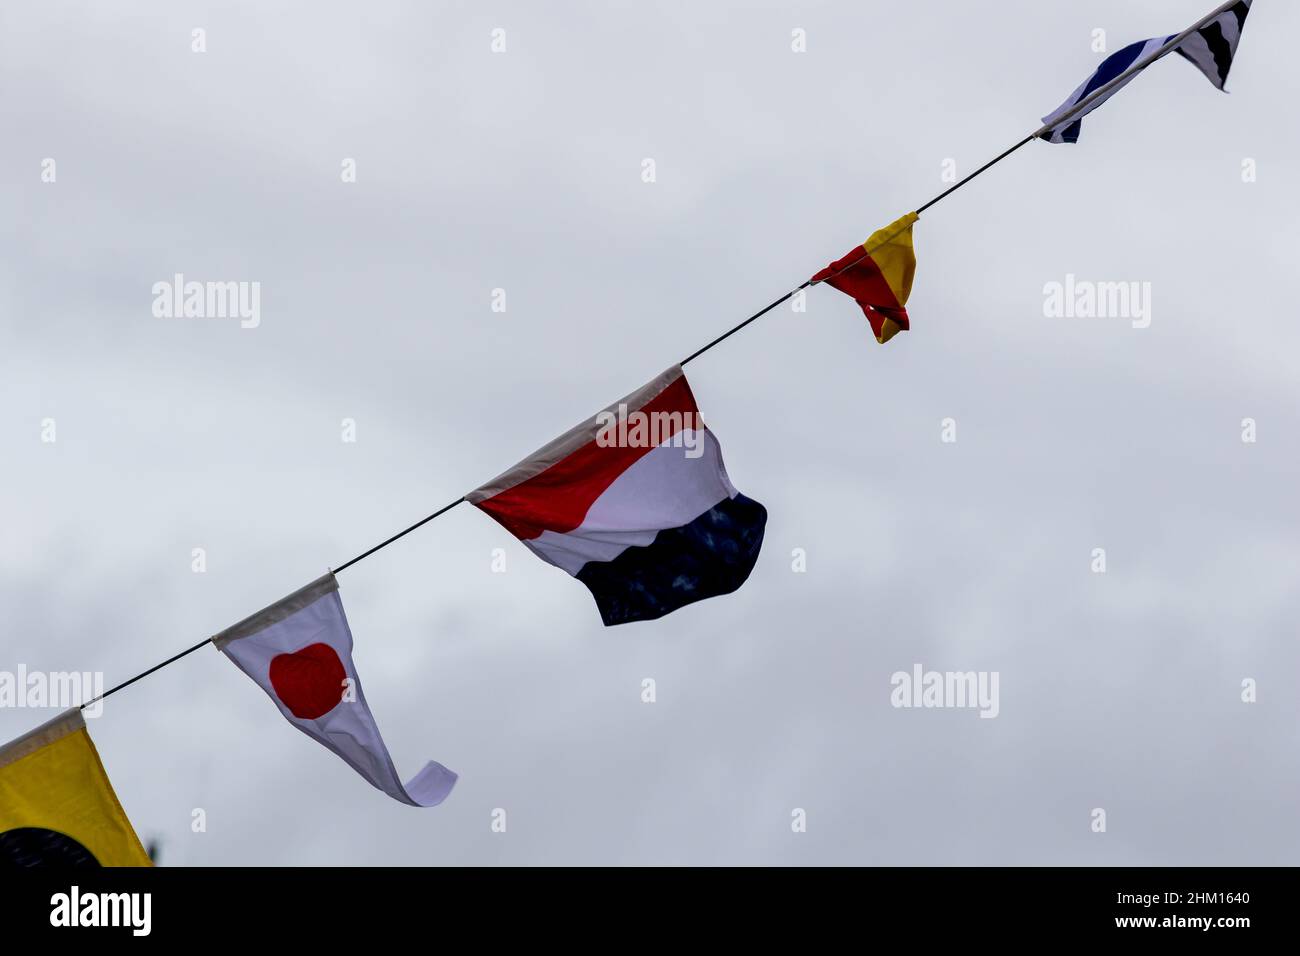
(636, 504)
(1210, 49)
(299, 650)
(878, 275)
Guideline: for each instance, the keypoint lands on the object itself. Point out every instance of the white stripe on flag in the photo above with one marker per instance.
(662, 489)
(1082, 93)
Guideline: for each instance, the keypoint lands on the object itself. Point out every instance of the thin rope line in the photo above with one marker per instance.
(401, 534)
(694, 355)
(127, 683)
(1078, 108)
(989, 165)
(447, 507)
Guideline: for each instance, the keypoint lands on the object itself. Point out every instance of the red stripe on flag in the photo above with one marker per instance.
(559, 498)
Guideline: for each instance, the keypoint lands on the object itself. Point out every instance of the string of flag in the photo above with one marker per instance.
(635, 503)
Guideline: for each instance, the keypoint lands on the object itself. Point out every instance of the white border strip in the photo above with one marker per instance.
(278, 611)
(68, 722)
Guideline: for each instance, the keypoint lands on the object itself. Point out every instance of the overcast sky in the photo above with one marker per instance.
(522, 170)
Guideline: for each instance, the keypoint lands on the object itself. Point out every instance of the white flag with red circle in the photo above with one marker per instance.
(299, 650)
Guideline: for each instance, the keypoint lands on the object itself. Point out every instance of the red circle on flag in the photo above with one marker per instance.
(309, 681)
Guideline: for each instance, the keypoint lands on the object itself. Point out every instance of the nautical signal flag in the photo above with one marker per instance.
(57, 807)
(1210, 49)
(636, 504)
(299, 650)
(878, 274)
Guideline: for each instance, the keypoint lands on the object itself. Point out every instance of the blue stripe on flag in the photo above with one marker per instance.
(1111, 67)
(711, 555)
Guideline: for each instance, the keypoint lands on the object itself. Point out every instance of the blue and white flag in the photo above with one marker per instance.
(1210, 49)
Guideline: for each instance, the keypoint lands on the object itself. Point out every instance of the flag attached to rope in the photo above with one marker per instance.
(299, 650)
(1210, 49)
(635, 504)
(878, 275)
(57, 807)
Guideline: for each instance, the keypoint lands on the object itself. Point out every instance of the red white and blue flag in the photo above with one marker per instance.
(636, 504)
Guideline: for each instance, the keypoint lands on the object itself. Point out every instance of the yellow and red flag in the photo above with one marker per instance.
(878, 274)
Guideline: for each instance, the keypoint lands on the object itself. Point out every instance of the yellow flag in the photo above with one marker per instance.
(57, 807)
